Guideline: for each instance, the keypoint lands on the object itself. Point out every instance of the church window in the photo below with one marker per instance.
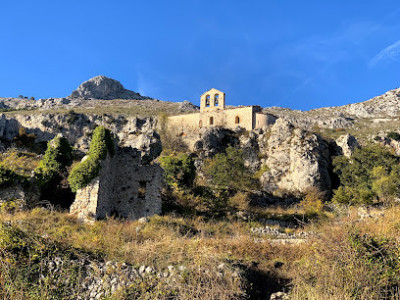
(216, 100)
(208, 101)
(237, 120)
(211, 120)
(200, 123)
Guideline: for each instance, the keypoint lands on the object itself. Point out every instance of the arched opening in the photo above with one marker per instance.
(208, 101)
(211, 121)
(200, 123)
(216, 99)
(237, 120)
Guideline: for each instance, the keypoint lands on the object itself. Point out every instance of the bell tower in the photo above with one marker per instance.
(212, 100)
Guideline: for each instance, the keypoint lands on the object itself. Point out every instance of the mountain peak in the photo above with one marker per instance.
(105, 88)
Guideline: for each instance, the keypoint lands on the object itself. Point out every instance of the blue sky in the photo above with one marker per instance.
(297, 54)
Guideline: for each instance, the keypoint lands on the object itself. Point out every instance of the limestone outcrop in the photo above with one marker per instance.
(102, 87)
(347, 144)
(78, 127)
(213, 140)
(296, 160)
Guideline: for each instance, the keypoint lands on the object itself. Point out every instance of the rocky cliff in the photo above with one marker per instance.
(77, 128)
(291, 159)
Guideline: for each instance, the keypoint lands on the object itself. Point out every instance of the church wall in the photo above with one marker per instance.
(263, 120)
(185, 123)
(245, 115)
(249, 118)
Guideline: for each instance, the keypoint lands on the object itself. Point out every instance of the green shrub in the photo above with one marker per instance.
(52, 167)
(362, 176)
(84, 172)
(393, 135)
(101, 144)
(179, 169)
(227, 170)
(11, 238)
(7, 177)
(386, 185)
(353, 195)
(58, 155)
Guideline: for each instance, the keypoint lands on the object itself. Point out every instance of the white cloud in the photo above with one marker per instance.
(390, 53)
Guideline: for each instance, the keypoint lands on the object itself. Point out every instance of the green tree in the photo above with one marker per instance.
(365, 175)
(53, 167)
(227, 170)
(179, 169)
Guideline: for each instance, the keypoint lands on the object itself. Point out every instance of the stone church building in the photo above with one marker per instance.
(213, 112)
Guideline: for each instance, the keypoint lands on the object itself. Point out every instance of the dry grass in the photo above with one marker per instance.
(21, 162)
(351, 259)
(199, 245)
(345, 259)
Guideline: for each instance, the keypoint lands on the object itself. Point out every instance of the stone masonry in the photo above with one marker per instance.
(124, 188)
(214, 113)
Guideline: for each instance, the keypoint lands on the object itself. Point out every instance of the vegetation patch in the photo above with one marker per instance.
(371, 174)
(51, 172)
(84, 172)
(227, 170)
(179, 169)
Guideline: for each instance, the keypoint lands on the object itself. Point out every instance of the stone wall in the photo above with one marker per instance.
(125, 188)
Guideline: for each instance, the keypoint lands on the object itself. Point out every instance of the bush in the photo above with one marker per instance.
(312, 202)
(393, 135)
(386, 185)
(353, 195)
(7, 177)
(101, 143)
(84, 172)
(240, 201)
(58, 155)
(179, 169)
(57, 158)
(359, 182)
(227, 170)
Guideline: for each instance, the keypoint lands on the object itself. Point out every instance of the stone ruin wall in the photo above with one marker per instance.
(137, 187)
(124, 188)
